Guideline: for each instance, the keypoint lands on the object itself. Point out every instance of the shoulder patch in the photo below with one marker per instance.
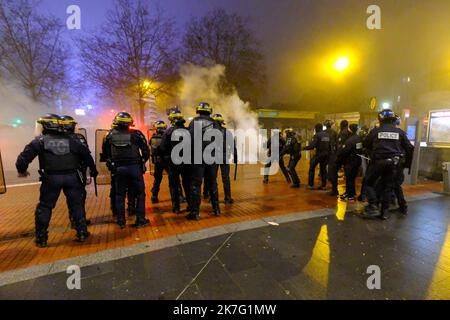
(388, 135)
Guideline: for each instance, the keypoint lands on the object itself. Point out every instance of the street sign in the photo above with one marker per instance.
(104, 176)
(2, 177)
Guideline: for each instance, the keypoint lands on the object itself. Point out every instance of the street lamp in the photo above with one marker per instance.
(341, 64)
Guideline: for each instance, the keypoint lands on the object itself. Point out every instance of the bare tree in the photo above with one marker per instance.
(31, 50)
(132, 55)
(226, 39)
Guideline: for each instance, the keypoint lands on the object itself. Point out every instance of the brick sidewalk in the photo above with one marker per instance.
(253, 200)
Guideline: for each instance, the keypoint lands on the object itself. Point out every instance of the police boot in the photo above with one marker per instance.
(229, 200)
(384, 214)
(370, 212)
(266, 180)
(193, 215)
(155, 198)
(216, 209)
(176, 208)
(121, 222)
(82, 232)
(141, 222)
(403, 210)
(41, 239)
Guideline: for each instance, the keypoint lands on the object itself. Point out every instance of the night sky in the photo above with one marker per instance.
(297, 34)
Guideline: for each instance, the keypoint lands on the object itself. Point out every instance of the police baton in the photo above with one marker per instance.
(95, 186)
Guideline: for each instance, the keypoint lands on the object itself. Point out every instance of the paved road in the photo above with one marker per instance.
(318, 258)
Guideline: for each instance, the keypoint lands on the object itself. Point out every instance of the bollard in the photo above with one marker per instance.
(446, 174)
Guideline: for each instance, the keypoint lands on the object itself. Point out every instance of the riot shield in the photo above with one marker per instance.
(104, 176)
(2, 177)
(151, 167)
(83, 132)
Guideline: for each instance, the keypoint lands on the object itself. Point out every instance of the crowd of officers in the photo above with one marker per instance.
(64, 159)
(383, 153)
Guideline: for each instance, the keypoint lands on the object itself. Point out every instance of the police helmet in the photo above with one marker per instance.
(68, 123)
(328, 123)
(386, 115)
(353, 128)
(160, 125)
(50, 122)
(123, 119)
(318, 127)
(288, 131)
(219, 118)
(175, 116)
(204, 107)
(398, 120)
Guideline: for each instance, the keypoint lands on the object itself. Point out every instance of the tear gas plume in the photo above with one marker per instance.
(17, 123)
(202, 84)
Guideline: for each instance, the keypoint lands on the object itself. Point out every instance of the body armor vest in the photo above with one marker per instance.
(122, 148)
(155, 142)
(57, 155)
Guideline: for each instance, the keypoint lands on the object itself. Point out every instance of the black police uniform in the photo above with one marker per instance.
(387, 145)
(348, 155)
(83, 170)
(294, 149)
(335, 164)
(229, 149)
(157, 160)
(281, 144)
(320, 142)
(60, 159)
(127, 152)
(203, 170)
(176, 170)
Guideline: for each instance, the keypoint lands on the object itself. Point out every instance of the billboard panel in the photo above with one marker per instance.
(2, 177)
(104, 176)
(439, 128)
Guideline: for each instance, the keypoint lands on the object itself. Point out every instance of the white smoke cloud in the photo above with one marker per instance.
(16, 106)
(201, 84)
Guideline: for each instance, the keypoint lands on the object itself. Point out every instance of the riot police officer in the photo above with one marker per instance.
(170, 139)
(199, 126)
(229, 149)
(69, 124)
(334, 164)
(320, 142)
(405, 162)
(294, 149)
(157, 160)
(281, 144)
(349, 156)
(333, 149)
(60, 158)
(387, 145)
(126, 152)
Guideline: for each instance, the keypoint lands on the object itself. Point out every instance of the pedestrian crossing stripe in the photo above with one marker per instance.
(388, 135)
